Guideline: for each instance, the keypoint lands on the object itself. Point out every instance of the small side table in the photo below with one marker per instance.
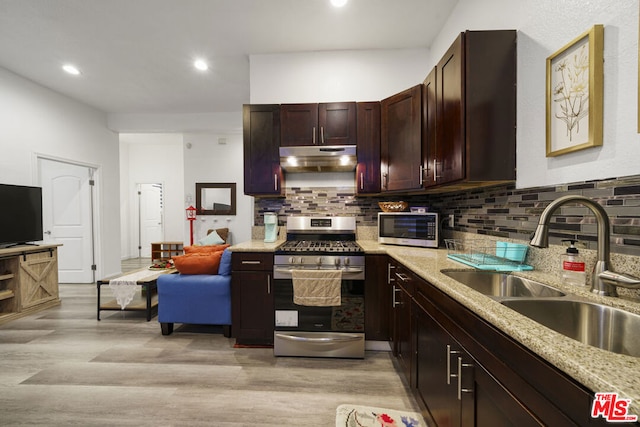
(149, 286)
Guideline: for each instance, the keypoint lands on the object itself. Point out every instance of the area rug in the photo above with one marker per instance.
(368, 416)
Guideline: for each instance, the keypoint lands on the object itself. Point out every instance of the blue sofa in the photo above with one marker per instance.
(196, 298)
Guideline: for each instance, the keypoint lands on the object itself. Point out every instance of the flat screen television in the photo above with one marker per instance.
(20, 214)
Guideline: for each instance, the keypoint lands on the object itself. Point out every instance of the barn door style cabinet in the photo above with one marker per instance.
(318, 124)
(28, 280)
(261, 140)
(469, 115)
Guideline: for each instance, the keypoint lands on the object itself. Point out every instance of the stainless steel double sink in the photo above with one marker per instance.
(598, 325)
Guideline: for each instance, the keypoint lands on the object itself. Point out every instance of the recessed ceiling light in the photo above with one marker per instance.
(71, 69)
(338, 3)
(201, 64)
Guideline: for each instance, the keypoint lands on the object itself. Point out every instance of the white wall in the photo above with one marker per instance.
(335, 76)
(151, 158)
(544, 26)
(208, 161)
(33, 120)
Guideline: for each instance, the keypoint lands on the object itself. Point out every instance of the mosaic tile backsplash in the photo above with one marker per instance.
(501, 211)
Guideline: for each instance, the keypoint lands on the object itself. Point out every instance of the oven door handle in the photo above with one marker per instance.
(321, 340)
(290, 270)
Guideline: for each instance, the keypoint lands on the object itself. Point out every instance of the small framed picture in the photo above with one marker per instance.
(574, 94)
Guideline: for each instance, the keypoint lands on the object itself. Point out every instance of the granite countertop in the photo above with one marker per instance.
(256, 246)
(598, 370)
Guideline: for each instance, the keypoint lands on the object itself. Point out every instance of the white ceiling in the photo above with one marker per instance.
(136, 55)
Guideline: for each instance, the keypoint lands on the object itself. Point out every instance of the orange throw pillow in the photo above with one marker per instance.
(205, 249)
(198, 263)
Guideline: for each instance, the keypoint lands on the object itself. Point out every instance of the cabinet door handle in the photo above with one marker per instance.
(362, 180)
(269, 284)
(385, 180)
(275, 182)
(313, 135)
(394, 302)
(435, 170)
(321, 134)
(449, 353)
(389, 278)
(421, 175)
(460, 389)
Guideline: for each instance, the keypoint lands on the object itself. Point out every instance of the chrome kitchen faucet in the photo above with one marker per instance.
(603, 280)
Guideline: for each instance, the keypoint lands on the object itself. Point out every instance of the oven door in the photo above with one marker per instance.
(348, 317)
(312, 331)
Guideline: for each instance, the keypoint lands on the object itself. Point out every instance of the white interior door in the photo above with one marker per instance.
(67, 217)
(150, 213)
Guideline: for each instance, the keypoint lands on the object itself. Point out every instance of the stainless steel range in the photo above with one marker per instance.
(322, 245)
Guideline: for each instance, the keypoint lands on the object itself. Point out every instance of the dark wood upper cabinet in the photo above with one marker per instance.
(337, 123)
(368, 148)
(475, 109)
(261, 140)
(429, 122)
(401, 136)
(318, 124)
(299, 124)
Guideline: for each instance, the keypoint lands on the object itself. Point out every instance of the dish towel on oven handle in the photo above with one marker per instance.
(317, 287)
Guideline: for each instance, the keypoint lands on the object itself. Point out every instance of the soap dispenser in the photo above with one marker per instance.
(573, 271)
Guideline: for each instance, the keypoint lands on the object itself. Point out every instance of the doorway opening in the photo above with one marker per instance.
(150, 214)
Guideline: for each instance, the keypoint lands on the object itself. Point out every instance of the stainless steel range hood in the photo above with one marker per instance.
(318, 158)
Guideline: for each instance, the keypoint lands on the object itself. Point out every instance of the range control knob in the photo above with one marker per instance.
(347, 261)
(319, 261)
(337, 262)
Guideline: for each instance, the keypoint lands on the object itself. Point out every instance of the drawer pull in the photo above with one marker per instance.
(251, 262)
(403, 277)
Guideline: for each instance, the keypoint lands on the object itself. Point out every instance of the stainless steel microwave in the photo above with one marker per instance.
(408, 228)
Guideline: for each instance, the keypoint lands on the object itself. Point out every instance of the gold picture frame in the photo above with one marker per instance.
(574, 94)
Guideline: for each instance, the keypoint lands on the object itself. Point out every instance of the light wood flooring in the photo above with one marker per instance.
(63, 367)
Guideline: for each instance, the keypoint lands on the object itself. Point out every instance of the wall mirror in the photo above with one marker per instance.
(216, 198)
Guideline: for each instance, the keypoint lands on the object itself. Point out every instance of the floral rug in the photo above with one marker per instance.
(367, 416)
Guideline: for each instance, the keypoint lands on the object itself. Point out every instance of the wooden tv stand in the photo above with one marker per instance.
(28, 280)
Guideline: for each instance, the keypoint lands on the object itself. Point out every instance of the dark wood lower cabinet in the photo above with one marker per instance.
(455, 387)
(404, 342)
(465, 372)
(377, 308)
(252, 302)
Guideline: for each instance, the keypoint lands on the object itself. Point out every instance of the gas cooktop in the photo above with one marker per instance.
(319, 246)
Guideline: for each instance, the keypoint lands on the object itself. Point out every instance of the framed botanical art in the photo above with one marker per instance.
(574, 94)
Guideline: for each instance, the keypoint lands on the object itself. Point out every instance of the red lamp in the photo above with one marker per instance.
(191, 216)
